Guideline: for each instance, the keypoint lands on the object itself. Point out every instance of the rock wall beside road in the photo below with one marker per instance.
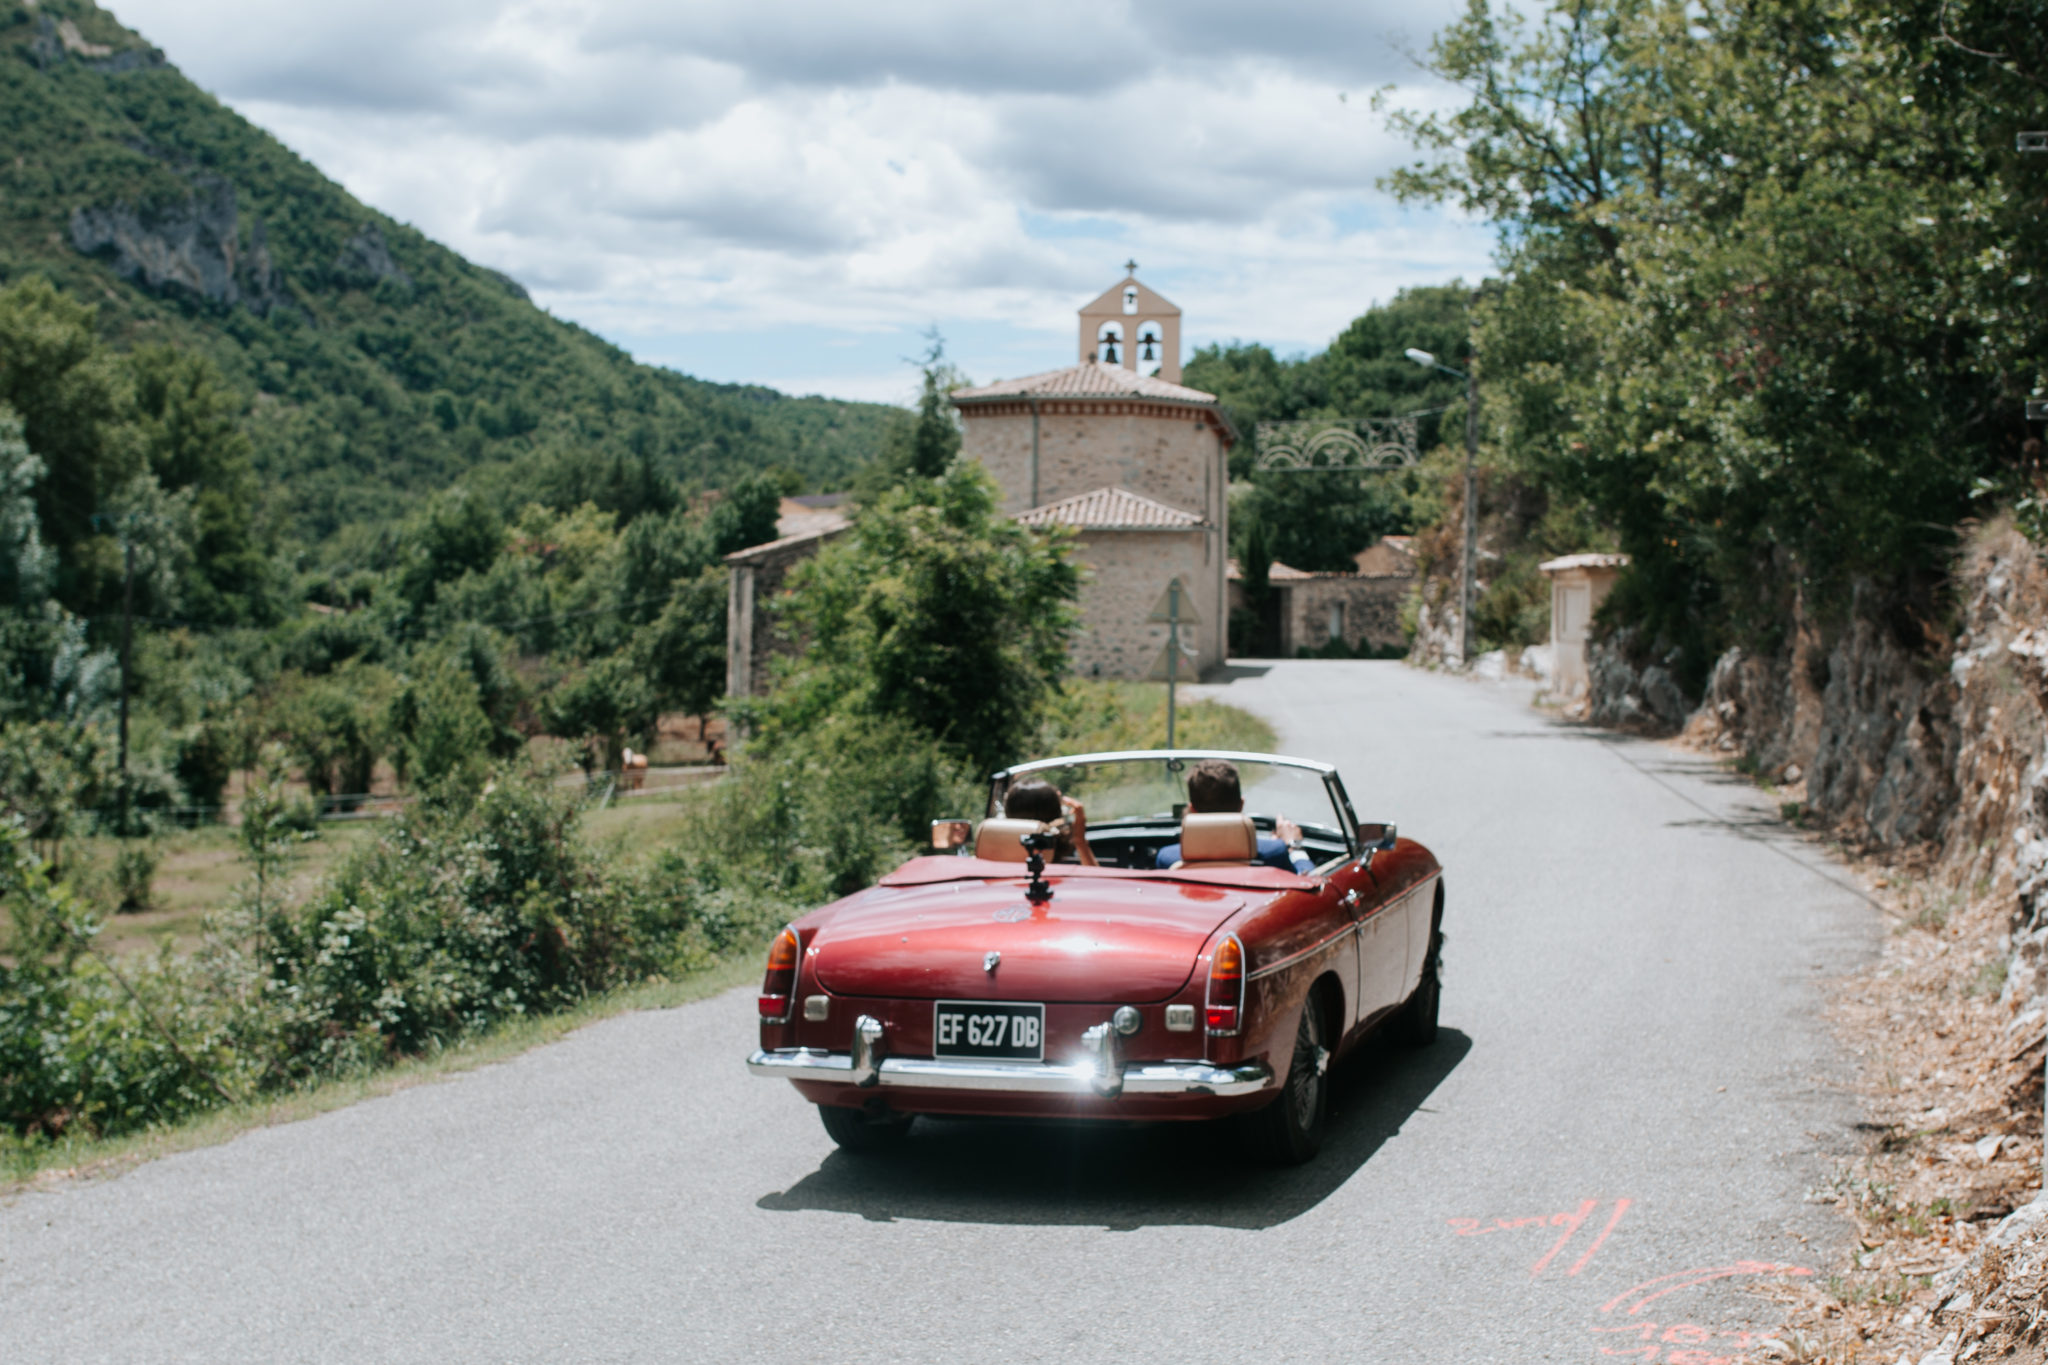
(1920, 752)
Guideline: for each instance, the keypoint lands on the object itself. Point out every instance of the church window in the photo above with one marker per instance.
(1151, 348)
(1130, 298)
(1109, 343)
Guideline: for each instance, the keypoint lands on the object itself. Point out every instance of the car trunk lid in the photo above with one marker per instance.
(1104, 940)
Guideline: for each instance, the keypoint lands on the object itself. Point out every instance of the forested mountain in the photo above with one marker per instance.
(372, 363)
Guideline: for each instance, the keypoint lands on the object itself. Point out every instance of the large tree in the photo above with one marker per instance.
(1772, 296)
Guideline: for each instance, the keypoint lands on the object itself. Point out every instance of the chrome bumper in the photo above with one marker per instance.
(1017, 1078)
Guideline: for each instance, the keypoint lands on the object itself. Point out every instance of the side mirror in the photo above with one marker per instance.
(950, 835)
(1376, 837)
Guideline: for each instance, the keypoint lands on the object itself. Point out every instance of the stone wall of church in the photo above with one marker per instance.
(1172, 455)
(1125, 574)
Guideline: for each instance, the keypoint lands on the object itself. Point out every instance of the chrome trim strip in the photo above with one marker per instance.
(1284, 963)
(1124, 755)
(1026, 1078)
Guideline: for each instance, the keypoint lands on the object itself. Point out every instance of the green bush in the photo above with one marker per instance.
(79, 1049)
(135, 865)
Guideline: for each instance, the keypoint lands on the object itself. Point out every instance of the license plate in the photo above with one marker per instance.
(988, 1028)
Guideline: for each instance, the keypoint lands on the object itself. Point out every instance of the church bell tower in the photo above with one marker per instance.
(1131, 326)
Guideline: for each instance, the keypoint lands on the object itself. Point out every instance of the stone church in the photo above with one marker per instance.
(1114, 447)
(1118, 449)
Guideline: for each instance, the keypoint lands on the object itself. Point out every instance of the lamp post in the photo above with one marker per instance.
(1471, 378)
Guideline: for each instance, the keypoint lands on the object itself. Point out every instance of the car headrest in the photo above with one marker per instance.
(1002, 841)
(1228, 837)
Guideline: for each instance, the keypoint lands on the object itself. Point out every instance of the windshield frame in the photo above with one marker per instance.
(1333, 785)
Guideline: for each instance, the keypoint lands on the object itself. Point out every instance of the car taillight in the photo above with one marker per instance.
(1226, 987)
(778, 988)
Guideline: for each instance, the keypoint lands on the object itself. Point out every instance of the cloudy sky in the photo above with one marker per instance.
(790, 191)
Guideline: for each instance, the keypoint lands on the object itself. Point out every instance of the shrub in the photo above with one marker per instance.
(135, 865)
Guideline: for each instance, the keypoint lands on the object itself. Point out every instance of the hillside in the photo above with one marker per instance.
(375, 362)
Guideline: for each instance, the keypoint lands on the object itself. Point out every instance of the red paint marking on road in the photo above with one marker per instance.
(1570, 1222)
(1620, 1207)
(1688, 1338)
(1686, 1279)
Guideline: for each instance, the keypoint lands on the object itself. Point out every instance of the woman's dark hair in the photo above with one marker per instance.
(1033, 800)
(1213, 789)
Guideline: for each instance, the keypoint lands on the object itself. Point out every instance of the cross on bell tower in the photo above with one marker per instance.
(1131, 326)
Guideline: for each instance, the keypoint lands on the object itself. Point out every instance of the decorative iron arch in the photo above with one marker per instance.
(1368, 444)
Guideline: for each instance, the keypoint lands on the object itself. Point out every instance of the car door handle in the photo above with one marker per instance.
(1349, 900)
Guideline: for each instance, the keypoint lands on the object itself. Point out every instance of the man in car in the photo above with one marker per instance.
(1213, 790)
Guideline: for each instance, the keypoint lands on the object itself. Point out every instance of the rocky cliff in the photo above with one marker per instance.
(1901, 740)
(192, 245)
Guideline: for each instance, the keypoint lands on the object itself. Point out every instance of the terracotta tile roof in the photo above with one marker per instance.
(1089, 379)
(1560, 564)
(1276, 572)
(1111, 509)
(793, 518)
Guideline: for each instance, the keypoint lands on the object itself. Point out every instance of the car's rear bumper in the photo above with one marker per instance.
(1084, 1078)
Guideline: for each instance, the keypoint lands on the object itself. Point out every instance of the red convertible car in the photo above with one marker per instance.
(998, 979)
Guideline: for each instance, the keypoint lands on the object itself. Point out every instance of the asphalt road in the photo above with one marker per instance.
(1632, 1098)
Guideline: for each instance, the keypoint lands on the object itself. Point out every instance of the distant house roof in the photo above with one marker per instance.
(1566, 562)
(1111, 509)
(815, 500)
(800, 516)
(1276, 572)
(1089, 379)
(1388, 557)
(803, 542)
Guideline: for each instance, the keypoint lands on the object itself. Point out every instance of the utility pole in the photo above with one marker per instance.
(1469, 569)
(1465, 586)
(127, 641)
(2037, 411)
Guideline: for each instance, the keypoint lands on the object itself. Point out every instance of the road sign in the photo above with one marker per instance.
(1184, 668)
(1165, 610)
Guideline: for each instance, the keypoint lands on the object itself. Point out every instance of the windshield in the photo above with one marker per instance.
(1153, 790)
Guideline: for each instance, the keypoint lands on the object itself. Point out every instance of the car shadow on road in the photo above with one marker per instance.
(1123, 1176)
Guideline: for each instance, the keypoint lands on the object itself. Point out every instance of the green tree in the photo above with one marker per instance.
(937, 611)
(192, 438)
(923, 444)
(1772, 297)
(72, 398)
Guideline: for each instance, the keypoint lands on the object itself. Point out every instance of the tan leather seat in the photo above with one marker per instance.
(1002, 841)
(1228, 837)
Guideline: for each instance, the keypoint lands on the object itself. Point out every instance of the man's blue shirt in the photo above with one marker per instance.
(1272, 852)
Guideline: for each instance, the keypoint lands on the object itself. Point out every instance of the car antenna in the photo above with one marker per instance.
(1035, 846)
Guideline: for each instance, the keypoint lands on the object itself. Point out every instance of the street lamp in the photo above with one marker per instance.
(1471, 378)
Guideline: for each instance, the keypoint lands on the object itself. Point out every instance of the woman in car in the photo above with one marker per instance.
(1041, 801)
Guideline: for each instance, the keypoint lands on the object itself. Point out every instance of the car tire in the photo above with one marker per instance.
(1418, 1016)
(1289, 1131)
(856, 1130)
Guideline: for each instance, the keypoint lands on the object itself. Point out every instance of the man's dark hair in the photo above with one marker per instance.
(1033, 800)
(1213, 789)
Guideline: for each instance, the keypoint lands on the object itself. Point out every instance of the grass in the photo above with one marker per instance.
(199, 869)
(1098, 716)
(25, 1166)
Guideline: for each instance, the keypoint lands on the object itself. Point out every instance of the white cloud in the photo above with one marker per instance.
(736, 168)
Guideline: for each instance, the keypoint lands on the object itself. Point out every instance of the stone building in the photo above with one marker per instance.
(1578, 585)
(1306, 611)
(1132, 461)
(755, 575)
